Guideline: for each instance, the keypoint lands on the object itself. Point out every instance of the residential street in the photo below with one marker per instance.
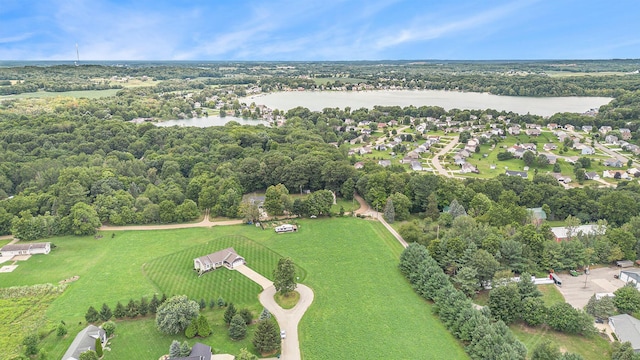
(436, 158)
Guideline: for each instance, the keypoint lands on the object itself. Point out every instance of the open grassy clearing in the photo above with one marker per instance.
(550, 294)
(591, 348)
(90, 94)
(289, 301)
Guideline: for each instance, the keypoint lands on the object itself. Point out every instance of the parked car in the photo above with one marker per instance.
(283, 334)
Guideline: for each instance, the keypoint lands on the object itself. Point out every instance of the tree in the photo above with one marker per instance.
(266, 338)
(105, 312)
(627, 299)
(92, 315)
(276, 199)
(175, 314)
(556, 168)
(246, 355)
(485, 265)
(249, 211)
(83, 219)
(203, 304)
(246, 315)
(533, 311)
(564, 317)
(389, 211)
(264, 315)
(204, 329)
(237, 328)
(98, 346)
(153, 304)
(174, 349)
(527, 288)
(529, 158)
(143, 306)
(601, 308)
(432, 210)
(545, 350)
(284, 276)
(229, 313)
(401, 206)
(89, 355)
(192, 330)
(504, 303)
(455, 209)
(109, 328)
(623, 351)
(466, 280)
(221, 302)
(132, 309)
(119, 311)
(30, 343)
(185, 349)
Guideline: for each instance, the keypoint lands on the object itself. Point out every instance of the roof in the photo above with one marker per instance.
(516, 173)
(85, 340)
(229, 255)
(627, 328)
(24, 246)
(199, 351)
(634, 274)
(561, 231)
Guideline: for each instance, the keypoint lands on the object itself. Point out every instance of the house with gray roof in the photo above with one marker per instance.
(626, 328)
(199, 351)
(85, 341)
(25, 249)
(522, 174)
(227, 258)
(630, 276)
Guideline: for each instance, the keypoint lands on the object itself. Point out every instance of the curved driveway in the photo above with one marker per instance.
(287, 319)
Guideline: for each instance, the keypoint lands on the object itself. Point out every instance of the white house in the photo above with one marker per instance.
(562, 233)
(630, 276)
(227, 258)
(25, 249)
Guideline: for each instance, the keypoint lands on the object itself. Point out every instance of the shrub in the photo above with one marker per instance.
(221, 302)
(120, 311)
(61, 330)
(203, 304)
(153, 304)
(192, 330)
(109, 327)
(185, 349)
(30, 343)
(204, 329)
(105, 312)
(132, 309)
(98, 347)
(89, 355)
(246, 315)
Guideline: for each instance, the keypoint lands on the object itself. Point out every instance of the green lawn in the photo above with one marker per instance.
(591, 348)
(550, 294)
(363, 307)
(90, 94)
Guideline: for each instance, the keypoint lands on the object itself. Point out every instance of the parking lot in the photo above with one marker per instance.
(601, 280)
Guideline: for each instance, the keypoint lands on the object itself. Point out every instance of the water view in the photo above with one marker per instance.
(210, 121)
(317, 101)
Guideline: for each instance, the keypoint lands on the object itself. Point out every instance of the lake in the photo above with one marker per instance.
(210, 121)
(318, 100)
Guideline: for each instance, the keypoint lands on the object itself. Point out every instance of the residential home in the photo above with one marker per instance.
(416, 166)
(633, 171)
(561, 178)
(522, 174)
(25, 249)
(608, 174)
(358, 165)
(613, 162)
(571, 159)
(514, 130)
(366, 150)
(592, 175)
(459, 160)
(366, 131)
(569, 127)
(528, 146)
(550, 147)
(468, 168)
(587, 128)
(227, 258)
(464, 153)
(611, 139)
(551, 158)
(560, 135)
(382, 125)
(384, 163)
(627, 329)
(532, 126)
(625, 133)
(604, 129)
(564, 233)
(381, 147)
(85, 341)
(199, 351)
(533, 132)
(393, 123)
(552, 126)
(587, 150)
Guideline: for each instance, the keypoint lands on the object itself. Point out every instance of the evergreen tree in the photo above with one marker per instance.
(266, 338)
(229, 313)
(237, 328)
(163, 299)
(246, 315)
(527, 288)
(185, 349)
(264, 315)
(389, 211)
(105, 312)
(202, 324)
(132, 309)
(174, 349)
(432, 207)
(92, 315)
(504, 303)
(602, 308)
(119, 311)
(221, 302)
(143, 306)
(98, 346)
(203, 304)
(212, 303)
(153, 304)
(192, 330)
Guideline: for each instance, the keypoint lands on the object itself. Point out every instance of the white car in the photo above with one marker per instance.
(283, 334)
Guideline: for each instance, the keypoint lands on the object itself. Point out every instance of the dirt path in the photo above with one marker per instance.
(204, 223)
(366, 210)
(287, 319)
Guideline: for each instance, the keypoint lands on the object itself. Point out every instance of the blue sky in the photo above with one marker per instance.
(319, 30)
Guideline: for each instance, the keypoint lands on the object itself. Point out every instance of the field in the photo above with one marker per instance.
(90, 94)
(363, 307)
(591, 348)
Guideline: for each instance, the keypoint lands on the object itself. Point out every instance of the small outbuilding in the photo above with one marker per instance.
(624, 263)
(227, 258)
(25, 249)
(630, 276)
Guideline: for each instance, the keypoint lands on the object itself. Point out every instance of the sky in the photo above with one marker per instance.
(310, 30)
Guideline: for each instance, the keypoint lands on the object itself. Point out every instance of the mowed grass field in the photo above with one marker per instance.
(89, 94)
(363, 307)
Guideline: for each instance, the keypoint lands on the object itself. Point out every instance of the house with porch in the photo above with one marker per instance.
(227, 258)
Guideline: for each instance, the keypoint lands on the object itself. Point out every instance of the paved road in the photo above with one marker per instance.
(436, 158)
(287, 319)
